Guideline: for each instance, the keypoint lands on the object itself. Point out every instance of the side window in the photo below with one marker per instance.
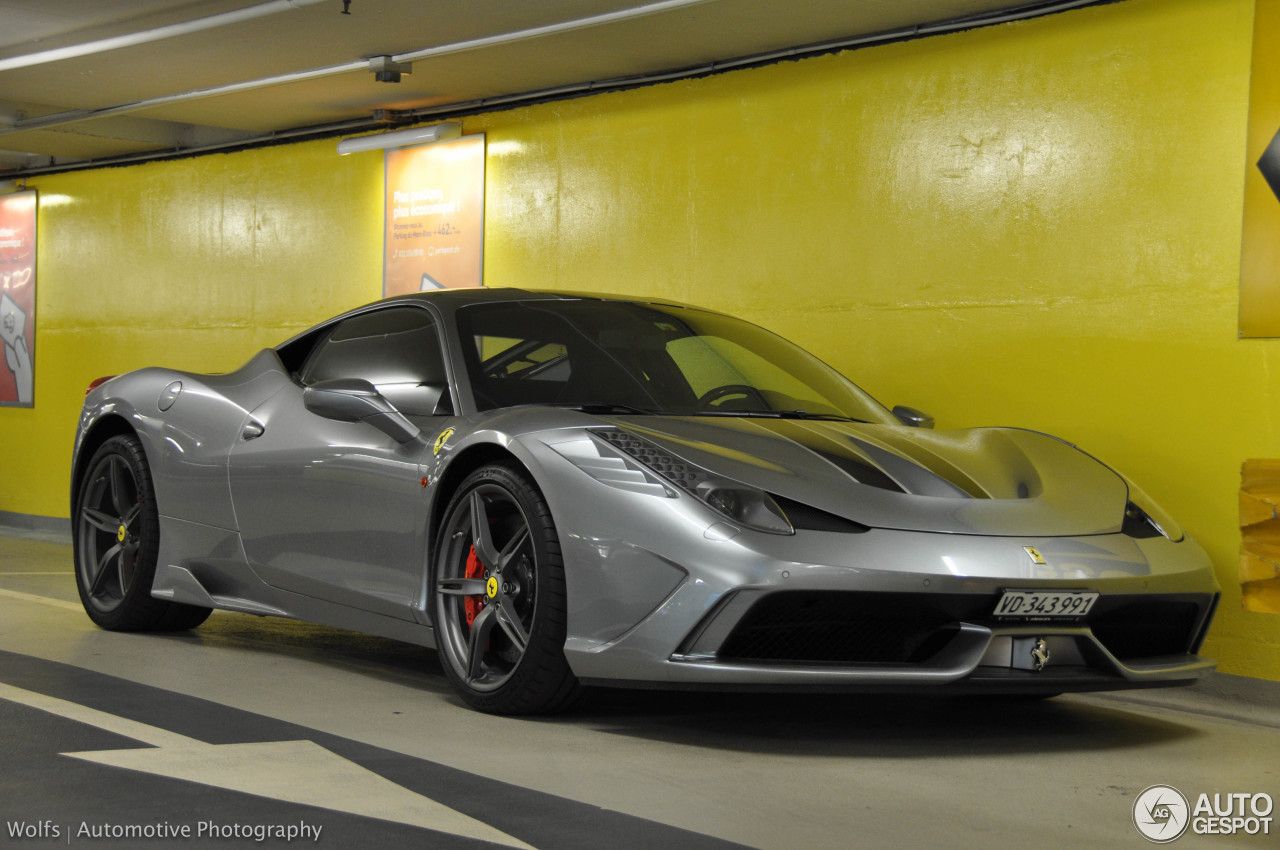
(294, 353)
(396, 349)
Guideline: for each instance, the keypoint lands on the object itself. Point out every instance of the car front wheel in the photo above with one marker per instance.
(498, 596)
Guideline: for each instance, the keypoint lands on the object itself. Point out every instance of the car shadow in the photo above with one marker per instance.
(876, 725)
(392, 661)
(845, 725)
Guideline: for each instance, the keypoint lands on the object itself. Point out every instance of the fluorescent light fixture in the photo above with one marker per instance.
(401, 138)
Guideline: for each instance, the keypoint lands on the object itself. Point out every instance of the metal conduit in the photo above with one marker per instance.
(159, 33)
(70, 117)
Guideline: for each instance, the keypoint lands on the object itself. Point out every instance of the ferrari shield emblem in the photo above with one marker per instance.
(441, 440)
(1034, 554)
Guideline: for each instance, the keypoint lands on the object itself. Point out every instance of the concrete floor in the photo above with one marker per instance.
(382, 753)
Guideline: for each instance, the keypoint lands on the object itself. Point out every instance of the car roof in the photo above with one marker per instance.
(454, 298)
(448, 301)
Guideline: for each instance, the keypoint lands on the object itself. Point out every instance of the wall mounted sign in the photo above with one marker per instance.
(434, 227)
(18, 298)
(1260, 245)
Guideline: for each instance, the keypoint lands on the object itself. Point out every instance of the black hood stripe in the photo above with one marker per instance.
(858, 468)
(864, 462)
(861, 472)
(915, 478)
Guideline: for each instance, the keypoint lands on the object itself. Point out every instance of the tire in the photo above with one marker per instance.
(116, 540)
(498, 596)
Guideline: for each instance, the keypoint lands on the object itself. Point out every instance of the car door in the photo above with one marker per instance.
(335, 509)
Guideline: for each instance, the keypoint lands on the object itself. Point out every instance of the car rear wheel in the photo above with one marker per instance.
(117, 537)
(498, 596)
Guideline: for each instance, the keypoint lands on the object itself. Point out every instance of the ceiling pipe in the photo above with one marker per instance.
(159, 33)
(549, 29)
(70, 117)
(58, 119)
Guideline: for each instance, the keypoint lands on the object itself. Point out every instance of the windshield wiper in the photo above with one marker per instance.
(595, 408)
(601, 408)
(805, 414)
(780, 414)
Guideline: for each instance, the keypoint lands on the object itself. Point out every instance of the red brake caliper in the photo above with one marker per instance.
(475, 569)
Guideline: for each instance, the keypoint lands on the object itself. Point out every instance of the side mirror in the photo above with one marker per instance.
(912, 417)
(356, 400)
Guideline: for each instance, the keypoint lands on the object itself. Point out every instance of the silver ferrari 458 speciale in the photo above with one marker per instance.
(562, 490)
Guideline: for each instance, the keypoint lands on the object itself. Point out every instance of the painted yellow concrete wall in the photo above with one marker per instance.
(1031, 224)
(195, 264)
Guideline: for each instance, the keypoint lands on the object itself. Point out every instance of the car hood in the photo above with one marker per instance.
(995, 481)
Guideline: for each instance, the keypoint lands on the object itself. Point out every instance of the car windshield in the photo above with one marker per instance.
(618, 356)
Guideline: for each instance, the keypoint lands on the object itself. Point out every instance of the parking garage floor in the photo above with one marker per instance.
(259, 732)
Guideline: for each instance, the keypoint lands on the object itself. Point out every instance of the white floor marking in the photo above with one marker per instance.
(40, 600)
(38, 573)
(293, 771)
(93, 717)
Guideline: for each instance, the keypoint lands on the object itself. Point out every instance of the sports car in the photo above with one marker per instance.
(563, 490)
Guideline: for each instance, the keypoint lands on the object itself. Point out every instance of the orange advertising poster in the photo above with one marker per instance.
(17, 298)
(434, 236)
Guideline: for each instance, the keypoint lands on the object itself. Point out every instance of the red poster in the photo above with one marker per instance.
(18, 298)
(434, 216)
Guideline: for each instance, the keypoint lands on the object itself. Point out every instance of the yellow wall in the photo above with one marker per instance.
(1034, 224)
(194, 264)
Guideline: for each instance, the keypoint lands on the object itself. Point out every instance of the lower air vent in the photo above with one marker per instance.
(1146, 628)
(842, 628)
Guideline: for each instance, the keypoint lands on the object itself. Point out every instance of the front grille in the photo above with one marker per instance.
(801, 627)
(848, 628)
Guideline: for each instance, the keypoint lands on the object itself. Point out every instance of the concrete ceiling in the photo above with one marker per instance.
(88, 82)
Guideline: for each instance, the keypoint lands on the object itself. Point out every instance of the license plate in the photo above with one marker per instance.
(1045, 604)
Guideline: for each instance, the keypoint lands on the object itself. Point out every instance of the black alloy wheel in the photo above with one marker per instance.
(498, 596)
(116, 540)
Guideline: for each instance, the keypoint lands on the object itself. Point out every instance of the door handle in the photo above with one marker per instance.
(252, 430)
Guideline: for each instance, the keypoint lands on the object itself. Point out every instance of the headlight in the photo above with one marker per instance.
(1142, 516)
(1142, 513)
(745, 505)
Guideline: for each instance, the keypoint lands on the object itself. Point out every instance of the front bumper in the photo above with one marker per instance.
(755, 620)
(663, 592)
